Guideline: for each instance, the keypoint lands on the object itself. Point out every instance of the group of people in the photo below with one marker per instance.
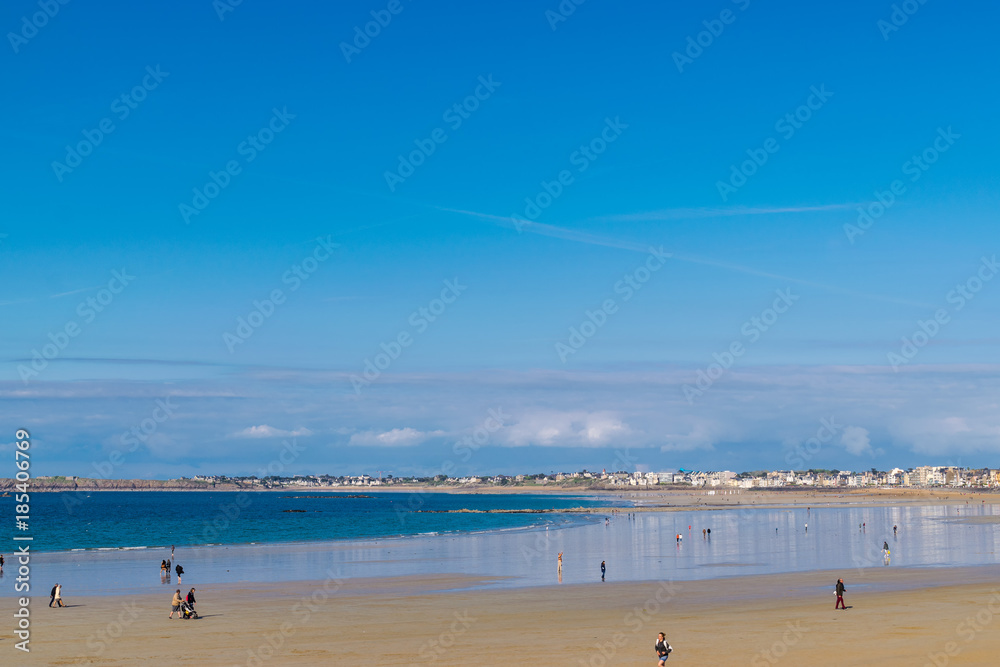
(55, 596)
(183, 606)
(178, 604)
(165, 570)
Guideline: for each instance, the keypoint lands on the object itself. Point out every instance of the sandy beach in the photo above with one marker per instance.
(667, 499)
(896, 617)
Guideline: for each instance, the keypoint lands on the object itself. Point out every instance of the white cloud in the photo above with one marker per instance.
(920, 415)
(265, 431)
(397, 437)
(856, 441)
(564, 429)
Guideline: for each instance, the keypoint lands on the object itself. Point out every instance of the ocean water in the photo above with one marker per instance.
(512, 550)
(134, 520)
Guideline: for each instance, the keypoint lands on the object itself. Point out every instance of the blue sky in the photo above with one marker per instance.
(696, 201)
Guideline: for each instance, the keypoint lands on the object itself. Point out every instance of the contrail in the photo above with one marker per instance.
(593, 239)
(680, 213)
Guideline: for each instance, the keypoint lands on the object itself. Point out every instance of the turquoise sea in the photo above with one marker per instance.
(133, 519)
(112, 543)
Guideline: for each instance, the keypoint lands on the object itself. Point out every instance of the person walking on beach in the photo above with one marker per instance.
(180, 571)
(57, 596)
(52, 594)
(894, 531)
(190, 599)
(885, 546)
(560, 562)
(603, 569)
(663, 649)
(171, 552)
(840, 595)
(1, 562)
(175, 605)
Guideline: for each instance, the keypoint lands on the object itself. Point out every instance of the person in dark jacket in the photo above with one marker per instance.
(603, 569)
(190, 598)
(663, 649)
(840, 595)
(179, 570)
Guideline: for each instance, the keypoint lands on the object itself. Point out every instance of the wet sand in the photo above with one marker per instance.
(896, 617)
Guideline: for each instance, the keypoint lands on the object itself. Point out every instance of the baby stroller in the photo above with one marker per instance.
(187, 611)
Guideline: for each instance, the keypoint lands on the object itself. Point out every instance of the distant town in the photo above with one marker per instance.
(923, 476)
